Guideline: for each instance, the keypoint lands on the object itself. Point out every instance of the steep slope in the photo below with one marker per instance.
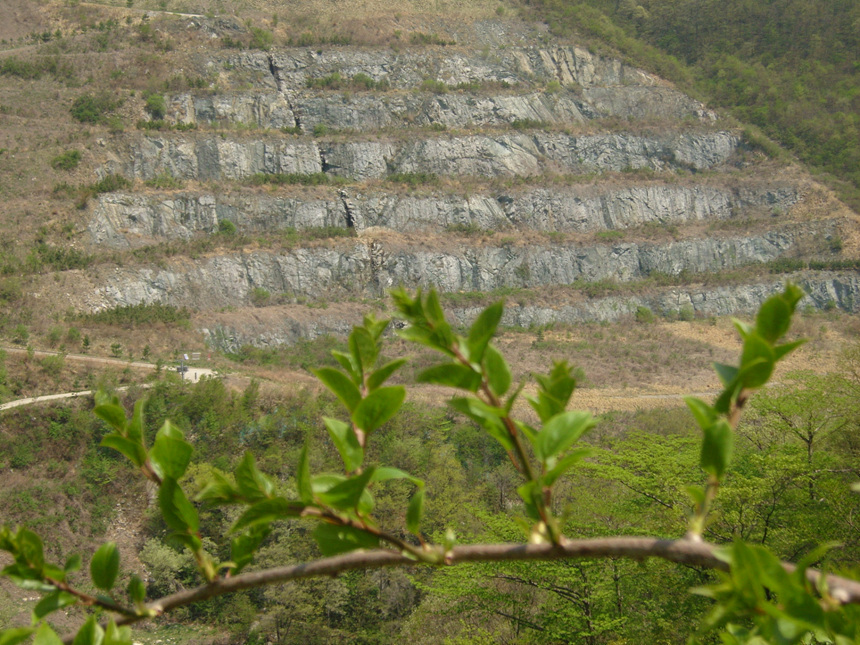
(488, 159)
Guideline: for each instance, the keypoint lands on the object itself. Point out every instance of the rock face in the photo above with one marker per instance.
(368, 267)
(823, 291)
(512, 155)
(124, 220)
(419, 156)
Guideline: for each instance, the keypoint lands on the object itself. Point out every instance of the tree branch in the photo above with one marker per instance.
(637, 548)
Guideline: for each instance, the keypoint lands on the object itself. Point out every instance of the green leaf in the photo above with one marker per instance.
(104, 566)
(334, 540)
(90, 633)
(726, 373)
(134, 452)
(342, 387)
(385, 473)
(117, 635)
(170, 454)
(554, 391)
(530, 493)
(46, 636)
(773, 318)
(704, 414)
(697, 494)
(716, 448)
(252, 484)
(498, 371)
(451, 375)
(483, 329)
(109, 410)
(243, 547)
(345, 440)
(52, 602)
(136, 590)
(488, 417)
(15, 635)
(303, 477)
(781, 351)
(134, 430)
(378, 407)
(348, 364)
(560, 432)
(383, 373)
(73, 563)
(219, 490)
(415, 511)
(346, 494)
(267, 511)
(757, 362)
(565, 464)
(179, 514)
(363, 348)
(30, 549)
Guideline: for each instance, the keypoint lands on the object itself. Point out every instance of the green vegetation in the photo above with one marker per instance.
(771, 484)
(261, 39)
(420, 38)
(164, 181)
(283, 179)
(36, 67)
(335, 81)
(68, 160)
(93, 108)
(142, 314)
(789, 69)
(155, 105)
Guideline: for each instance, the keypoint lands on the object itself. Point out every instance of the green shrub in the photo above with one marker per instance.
(155, 105)
(609, 236)
(432, 85)
(93, 108)
(164, 181)
(644, 315)
(320, 130)
(686, 313)
(68, 160)
(226, 227)
(261, 39)
(141, 314)
(260, 296)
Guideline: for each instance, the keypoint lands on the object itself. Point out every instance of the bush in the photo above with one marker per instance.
(93, 108)
(68, 160)
(155, 106)
(164, 181)
(432, 85)
(644, 315)
(226, 227)
(261, 39)
(260, 297)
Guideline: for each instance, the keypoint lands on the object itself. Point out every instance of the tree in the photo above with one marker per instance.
(351, 535)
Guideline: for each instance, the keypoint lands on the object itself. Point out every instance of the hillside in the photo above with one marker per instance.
(247, 178)
(255, 173)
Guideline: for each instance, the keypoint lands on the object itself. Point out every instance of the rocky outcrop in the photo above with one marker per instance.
(363, 111)
(291, 324)
(510, 155)
(122, 220)
(367, 267)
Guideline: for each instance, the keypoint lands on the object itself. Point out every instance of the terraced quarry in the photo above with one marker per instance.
(485, 159)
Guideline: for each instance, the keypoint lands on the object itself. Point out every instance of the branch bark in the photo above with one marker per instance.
(690, 552)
